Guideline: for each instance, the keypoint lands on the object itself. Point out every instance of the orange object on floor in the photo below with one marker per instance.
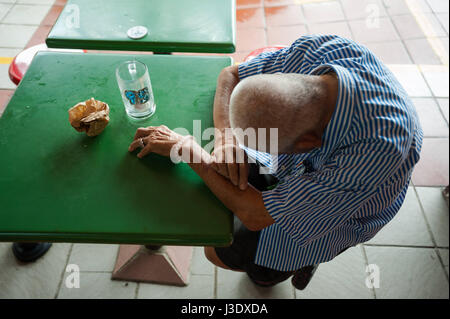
(22, 61)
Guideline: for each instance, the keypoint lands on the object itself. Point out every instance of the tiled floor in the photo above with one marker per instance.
(411, 252)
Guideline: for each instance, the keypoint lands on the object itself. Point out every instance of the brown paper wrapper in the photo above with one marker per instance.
(90, 116)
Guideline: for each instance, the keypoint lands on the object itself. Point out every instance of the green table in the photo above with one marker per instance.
(59, 185)
(173, 25)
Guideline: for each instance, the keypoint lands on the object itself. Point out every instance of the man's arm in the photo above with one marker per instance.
(225, 146)
(227, 80)
(247, 205)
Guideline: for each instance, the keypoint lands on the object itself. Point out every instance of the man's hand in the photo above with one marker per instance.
(154, 139)
(230, 160)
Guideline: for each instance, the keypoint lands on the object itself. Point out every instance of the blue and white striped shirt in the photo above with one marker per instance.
(344, 192)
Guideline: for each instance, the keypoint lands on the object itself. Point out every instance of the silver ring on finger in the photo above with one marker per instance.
(141, 143)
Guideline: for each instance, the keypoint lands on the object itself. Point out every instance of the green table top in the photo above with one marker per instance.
(59, 185)
(173, 25)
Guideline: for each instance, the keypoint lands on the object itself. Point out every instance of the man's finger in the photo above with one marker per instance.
(230, 159)
(233, 173)
(134, 145)
(147, 149)
(141, 132)
(243, 176)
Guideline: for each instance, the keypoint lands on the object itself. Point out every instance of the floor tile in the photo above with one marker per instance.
(411, 79)
(407, 228)
(250, 39)
(200, 265)
(323, 12)
(250, 18)
(436, 213)
(284, 15)
(444, 256)
(9, 52)
(16, 36)
(438, 5)
(94, 257)
(5, 81)
(8, 1)
(432, 169)
(409, 28)
(237, 285)
(248, 3)
(396, 7)
(444, 41)
(408, 273)
(200, 287)
(443, 104)
(422, 52)
(52, 15)
(375, 31)
(443, 19)
(5, 96)
(430, 116)
(343, 277)
(97, 285)
(285, 35)
(339, 28)
(362, 9)
(4, 8)
(437, 78)
(268, 3)
(39, 36)
(42, 2)
(393, 52)
(26, 14)
(39, 279)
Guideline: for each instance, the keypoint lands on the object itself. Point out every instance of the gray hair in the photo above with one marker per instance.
(286, 101)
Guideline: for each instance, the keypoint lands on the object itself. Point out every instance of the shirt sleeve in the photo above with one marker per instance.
(309, 206)
(264, 62)
(273, 62)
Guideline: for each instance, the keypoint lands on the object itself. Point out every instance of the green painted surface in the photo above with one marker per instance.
(173, 25)
(59, 185)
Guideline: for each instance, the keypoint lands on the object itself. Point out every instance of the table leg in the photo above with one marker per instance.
(166, 265)
(28, 252)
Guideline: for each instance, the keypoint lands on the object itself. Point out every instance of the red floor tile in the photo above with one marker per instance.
(278, 2)
(60, 2)
(248, 3)
(250, 39)
(285, 35)
(5, 95)
(250, 18)
(432, 169)
(52, 15)
(39, 36)
(284, 15)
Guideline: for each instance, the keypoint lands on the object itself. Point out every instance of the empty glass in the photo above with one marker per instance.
(136, 89)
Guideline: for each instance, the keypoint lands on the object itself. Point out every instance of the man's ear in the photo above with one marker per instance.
(307, 142)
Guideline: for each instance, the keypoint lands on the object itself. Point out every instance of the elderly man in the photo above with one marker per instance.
(348, 139)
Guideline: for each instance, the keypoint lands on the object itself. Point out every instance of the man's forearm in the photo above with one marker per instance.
(247, 205)
(226, 82)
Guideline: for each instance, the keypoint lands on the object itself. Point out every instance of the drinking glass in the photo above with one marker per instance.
(136, 89)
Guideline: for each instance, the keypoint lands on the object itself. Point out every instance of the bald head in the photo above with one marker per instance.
(292, 103)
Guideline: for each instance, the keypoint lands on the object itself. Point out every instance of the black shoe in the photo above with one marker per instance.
(28, 252)
(303, 276)
(273, 282)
